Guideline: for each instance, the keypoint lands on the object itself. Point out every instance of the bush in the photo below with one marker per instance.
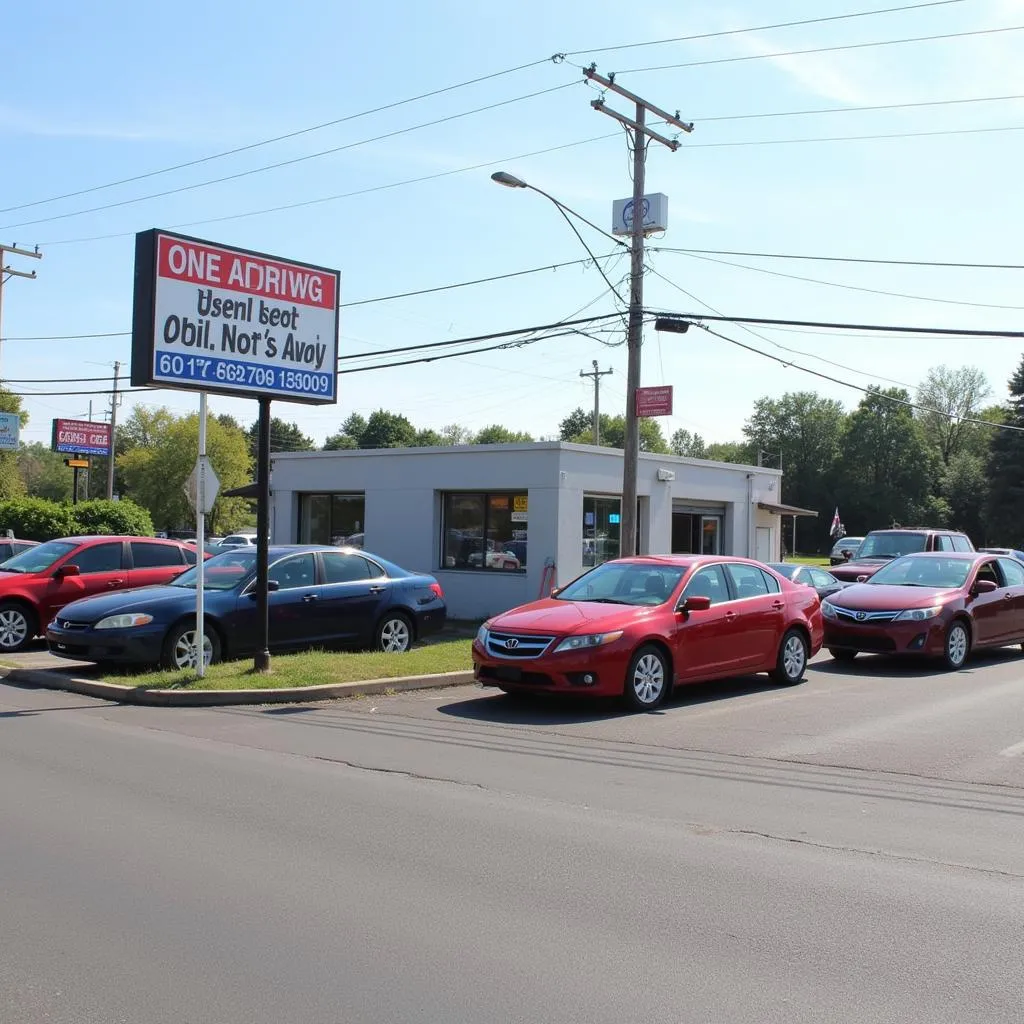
(37, 518)
(112, 517)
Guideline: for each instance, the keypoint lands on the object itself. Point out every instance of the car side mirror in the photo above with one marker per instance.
(983, 587)
(67, 570)
(695, 603)
(272, 585)
(862, 579)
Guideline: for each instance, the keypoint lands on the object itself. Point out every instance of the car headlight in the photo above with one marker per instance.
(828, 610)
(125, 621)
(481, 634)
(918, 614)
(582, 643)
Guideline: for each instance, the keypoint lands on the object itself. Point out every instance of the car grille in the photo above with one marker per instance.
(517, 645)
(509, 675)
(847, 615)
(72, 626)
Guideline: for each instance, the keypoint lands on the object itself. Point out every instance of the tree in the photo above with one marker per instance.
(428, 439)
(155, 475)
(284, 437)
(387, 430)
(613, 434)
(578, 422)
(350, 435)
(964, 485)
(112, 517)
(496, 434)
(11, 484)
(1005, 464)
(225, 419)
(37, 518)
(43, 472)
(730, 451)
(885, 469)
(454, 434)
(690, 445)
(951, 397)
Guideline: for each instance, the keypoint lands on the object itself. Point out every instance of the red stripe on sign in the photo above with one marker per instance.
(213, 267)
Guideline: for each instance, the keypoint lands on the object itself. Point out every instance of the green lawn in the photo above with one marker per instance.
(314, 668)
(819, 560)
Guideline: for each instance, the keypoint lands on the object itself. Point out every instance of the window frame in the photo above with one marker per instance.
(182, 562)
(341, 553)
(73, 557)
(734, 586)
(485, 497)
(708, 566)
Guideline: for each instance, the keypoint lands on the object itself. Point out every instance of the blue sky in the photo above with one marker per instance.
(97, 93)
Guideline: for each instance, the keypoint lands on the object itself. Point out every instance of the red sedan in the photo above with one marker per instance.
(637, 627)
(37, 583)
(941, 604)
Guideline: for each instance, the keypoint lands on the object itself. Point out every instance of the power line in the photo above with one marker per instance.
(50, 380)
(823, 49)
(854, 287)
(759, 28)
(287, 163)
(843, 259)
(856, 138)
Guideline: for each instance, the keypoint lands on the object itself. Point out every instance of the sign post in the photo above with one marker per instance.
(218, 319)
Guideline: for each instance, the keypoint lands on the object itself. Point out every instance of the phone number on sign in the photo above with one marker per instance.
(247, 375)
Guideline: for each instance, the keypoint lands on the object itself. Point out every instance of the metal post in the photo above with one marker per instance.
(74, 486)
(201, 542)
(113, 434)
(262, 659)
(634, 339)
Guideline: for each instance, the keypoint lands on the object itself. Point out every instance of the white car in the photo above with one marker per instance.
(234, 540)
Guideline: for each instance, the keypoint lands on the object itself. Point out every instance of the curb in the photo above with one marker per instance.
(215, 698)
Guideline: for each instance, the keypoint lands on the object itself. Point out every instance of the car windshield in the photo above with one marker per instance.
(221, 572)
(625, 583)
(891, 545)
(924, 571)
(787, 569)
(39, 559)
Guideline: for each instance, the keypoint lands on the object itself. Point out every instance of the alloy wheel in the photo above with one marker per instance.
(186, 650)
(13, 629)
(648, 680)
(794, 657)
(395, 637)
(956, 645)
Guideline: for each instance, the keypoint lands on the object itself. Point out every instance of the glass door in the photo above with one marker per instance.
(710, 535)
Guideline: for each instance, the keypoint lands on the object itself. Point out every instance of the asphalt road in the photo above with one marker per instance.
(849, 850)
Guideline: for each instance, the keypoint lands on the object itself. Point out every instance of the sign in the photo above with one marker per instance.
(202, 486)
(654, 214)
(519, 508)
(217, 319)
(76, 463)
(10, 428)
(654, 401)
(81, 437)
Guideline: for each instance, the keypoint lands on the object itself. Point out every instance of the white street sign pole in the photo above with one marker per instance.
(201, 539)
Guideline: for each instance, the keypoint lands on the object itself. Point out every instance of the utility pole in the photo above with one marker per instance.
(6, 273)
(113, 433)
(639, 133)
(597, 375)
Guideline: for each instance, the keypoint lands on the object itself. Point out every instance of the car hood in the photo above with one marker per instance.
(145, 599)
(849, 571)
(868, 597)
(553, 616)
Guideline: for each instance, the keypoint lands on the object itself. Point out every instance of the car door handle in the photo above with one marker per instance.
(1009, 597)
(376, 590)
(778, 605)
(115, 583)
(309, 597)
(730, 615)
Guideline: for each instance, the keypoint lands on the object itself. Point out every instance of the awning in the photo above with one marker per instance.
(786, 510)
(248, 491)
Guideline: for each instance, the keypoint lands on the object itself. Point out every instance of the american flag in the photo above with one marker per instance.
(837, 530)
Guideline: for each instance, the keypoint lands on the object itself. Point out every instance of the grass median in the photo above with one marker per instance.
(311, 668)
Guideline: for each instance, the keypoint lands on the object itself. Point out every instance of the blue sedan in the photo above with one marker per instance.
(318, 596)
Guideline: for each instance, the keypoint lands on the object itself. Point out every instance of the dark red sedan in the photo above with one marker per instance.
(637, 627)
(936, 603)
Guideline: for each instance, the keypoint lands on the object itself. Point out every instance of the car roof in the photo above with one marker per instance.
(681, 561)
(965, 556)
(101, 537)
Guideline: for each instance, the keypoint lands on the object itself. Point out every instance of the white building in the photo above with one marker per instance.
(497, 524)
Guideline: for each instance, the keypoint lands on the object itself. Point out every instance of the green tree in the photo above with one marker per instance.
(690, 445)
(885, 468)
(454, 434)
(350, 435)
(613, 434)
(950, 398)
(112, 517)
(731, 451)
(43, 472)
(496, 434)
(428, 439)
(578, 422)
(964, 486)
(387, 430)
(1005, 465)
(155, 475)
(284, 437)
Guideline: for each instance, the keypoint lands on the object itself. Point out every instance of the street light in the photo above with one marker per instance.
(634, 329)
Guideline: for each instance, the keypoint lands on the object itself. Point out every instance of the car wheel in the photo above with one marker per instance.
(647, 680)
(394, 634)
(17, 627)
(181, 648)
(792, 659)
(842, 655)
(958, 645)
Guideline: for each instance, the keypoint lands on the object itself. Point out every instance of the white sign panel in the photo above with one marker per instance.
(213, 318)
(10, 430)
(655, 214)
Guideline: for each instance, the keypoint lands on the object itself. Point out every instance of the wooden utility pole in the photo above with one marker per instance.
(597, 375)
(6, 273)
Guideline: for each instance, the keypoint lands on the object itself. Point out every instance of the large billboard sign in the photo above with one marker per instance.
(81, 437)
(212, 318)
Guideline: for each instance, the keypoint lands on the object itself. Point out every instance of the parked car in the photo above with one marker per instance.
(823, 583)
(637, 627)
(318, 596)
(881, 546)
(37, 583)
(844, 550)
(243, 539)
(1012, 552)
(941, 604)
(9, 547)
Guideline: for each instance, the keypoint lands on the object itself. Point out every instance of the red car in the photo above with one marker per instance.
(942, 604)
(637, 627)
(37, 583)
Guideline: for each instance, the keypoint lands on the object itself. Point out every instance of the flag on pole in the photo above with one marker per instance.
(836, 530)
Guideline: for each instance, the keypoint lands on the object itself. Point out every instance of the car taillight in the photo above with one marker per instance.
(435, 589)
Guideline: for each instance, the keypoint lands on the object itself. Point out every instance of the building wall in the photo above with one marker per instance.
(403, 489)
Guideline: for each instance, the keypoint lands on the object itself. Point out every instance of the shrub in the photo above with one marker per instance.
(112, 517)
(37, 518)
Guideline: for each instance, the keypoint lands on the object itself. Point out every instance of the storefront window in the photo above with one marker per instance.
(331, 519)
(485, 531)
(601, 526)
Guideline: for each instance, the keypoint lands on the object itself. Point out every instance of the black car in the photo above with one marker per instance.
(845, 550)
(319, 596)
(810, 576)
